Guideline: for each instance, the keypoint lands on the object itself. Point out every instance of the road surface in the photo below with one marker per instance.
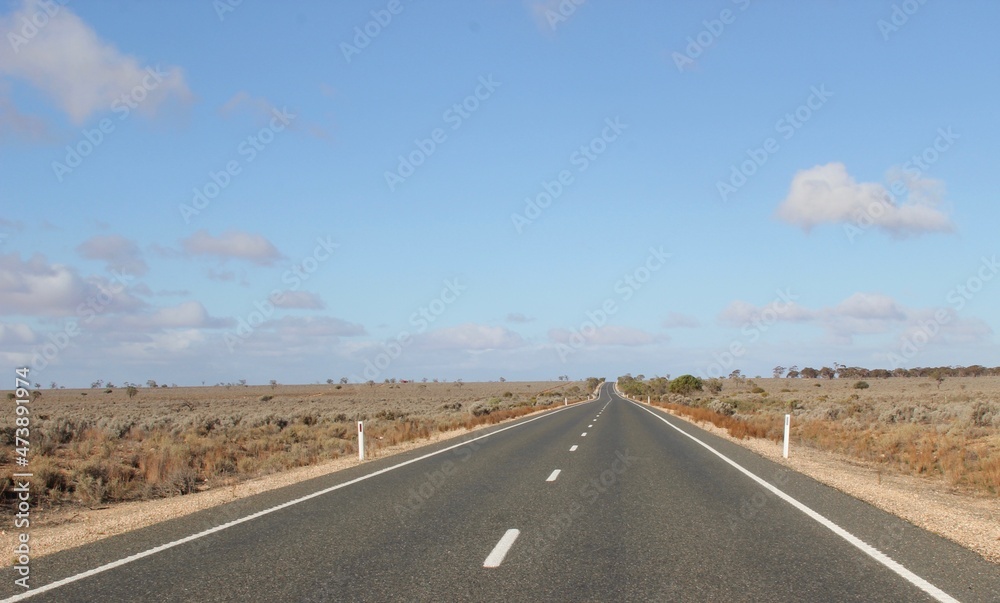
(607, 500)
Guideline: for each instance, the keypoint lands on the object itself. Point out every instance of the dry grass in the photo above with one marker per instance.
(94, 448)
(911, 425)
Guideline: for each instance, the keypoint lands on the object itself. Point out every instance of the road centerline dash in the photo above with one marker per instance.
(499, 552)
(554, 475)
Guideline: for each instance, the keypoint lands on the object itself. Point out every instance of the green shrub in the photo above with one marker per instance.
(685, 384)
(861, 385)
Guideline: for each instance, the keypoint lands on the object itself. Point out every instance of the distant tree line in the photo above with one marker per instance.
(840, 371)
(639, 385)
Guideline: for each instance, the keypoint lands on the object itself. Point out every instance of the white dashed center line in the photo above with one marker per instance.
(573, 448)
(496, 556)
(554, 475)
(583, 435)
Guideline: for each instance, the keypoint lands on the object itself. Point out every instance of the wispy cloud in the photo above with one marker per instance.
(676, 320)
(303, 300)
(470, 337)
(859, 314)
(234, 244)
(518, 318)
(116, 251)
(608, 335)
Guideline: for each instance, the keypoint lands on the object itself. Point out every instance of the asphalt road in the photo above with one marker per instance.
(638, 511)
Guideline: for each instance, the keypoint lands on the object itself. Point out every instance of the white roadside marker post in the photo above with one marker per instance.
(565, 401)
(788, 422)
(361, 441)
(647, 399)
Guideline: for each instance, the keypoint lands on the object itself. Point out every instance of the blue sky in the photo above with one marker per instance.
(200, 192)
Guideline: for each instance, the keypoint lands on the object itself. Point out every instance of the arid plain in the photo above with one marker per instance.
(897, 443)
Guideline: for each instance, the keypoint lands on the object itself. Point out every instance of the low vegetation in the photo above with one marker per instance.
(946, 428)
(124, 444)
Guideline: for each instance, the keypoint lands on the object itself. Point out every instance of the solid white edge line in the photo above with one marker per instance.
(126, 560)
(573, 448)
(498, 553)
(552, 477)
(863, 546)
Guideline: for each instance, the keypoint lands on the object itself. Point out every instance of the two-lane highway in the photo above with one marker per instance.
(606, 500)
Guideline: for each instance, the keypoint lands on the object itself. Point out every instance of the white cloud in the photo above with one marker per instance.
(827, 194)
(16, 334)
(189, 314)
(606, 335)
(869, 306)
(470, 337)
(118, 252)
(233, 245)
(82, 73)
(300, 299)
(859, 314)
(34, 287)
(37, 288)
(676, 320)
